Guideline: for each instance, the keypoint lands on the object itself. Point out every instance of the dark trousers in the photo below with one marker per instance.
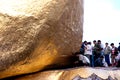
(96, 56)
(92, 61)
(118, 65)
(90, 57)
(107, 59)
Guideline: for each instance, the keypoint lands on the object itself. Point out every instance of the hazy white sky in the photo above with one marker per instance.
(102, 20)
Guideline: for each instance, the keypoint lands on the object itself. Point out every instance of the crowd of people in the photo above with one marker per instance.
(98, 55)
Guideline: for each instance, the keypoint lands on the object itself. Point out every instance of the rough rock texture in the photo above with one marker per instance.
(75, 74)
(35, 34)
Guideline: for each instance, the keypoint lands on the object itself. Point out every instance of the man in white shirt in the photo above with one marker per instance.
(107, 51)
(88, 52)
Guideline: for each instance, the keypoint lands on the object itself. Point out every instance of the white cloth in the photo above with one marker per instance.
(88, 50)
(102, 48)
(117, 57)
(84, 59)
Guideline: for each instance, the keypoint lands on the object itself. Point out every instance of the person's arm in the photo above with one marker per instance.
(109, 49)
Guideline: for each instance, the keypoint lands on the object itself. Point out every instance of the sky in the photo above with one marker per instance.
(102, 21)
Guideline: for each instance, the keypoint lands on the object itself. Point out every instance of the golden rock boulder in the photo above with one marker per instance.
(35, 34)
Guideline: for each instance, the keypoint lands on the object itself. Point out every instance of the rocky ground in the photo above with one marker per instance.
(77, 73)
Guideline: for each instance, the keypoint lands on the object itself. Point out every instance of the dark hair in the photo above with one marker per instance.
(89, 43)
(84, 41)
(106, 43)
(94, 41)
(99, 40)
(112, 44)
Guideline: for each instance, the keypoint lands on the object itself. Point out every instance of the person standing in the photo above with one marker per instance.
(101, 47)
(94, 52)
(114, 52)
(106, 52)
(119, 48)
(98, 49)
